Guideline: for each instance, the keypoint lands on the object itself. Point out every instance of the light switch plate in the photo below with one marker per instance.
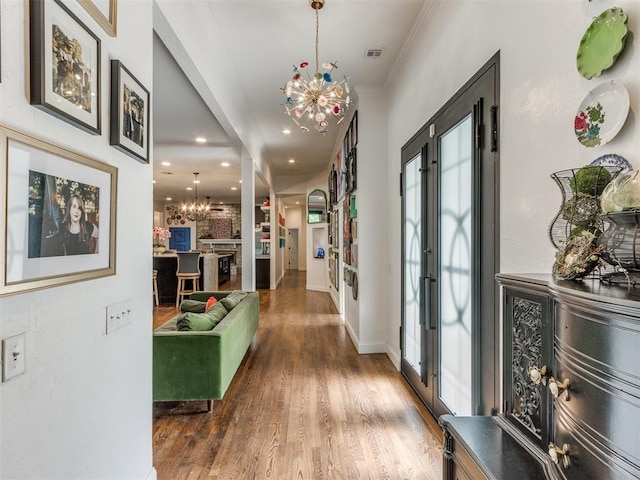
(118, 315)
(13, 357)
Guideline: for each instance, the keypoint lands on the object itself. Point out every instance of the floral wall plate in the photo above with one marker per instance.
(602, 43)
(602, 114)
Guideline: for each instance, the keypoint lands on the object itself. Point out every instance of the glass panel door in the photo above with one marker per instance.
(450, 327)
(413, 331)
(455, 240)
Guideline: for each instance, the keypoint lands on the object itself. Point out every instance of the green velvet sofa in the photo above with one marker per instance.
(199, 365)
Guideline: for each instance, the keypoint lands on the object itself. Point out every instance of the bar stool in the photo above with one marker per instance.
(188, 269)
(155, 287)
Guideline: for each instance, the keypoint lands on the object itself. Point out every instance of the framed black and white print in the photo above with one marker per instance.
(64, 65)
(104, 12)
(60, 219)
(129, 113)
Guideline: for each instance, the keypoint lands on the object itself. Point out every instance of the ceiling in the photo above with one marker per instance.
(265, 38)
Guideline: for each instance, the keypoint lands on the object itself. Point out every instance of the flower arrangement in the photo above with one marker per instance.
(160, 234)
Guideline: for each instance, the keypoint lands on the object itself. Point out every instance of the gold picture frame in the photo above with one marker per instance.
(59, 215)
(108, 20)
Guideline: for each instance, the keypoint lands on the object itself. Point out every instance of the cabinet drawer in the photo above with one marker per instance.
(600, 420)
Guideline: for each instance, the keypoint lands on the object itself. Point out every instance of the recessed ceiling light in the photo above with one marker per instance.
(225, 164)
(297, 203)
(291, 160)
(189, 188)
(234, 188)
(239, 181)
(154, 181)
(168, 199)
(286, 131)
(166, 164)
(201, 140)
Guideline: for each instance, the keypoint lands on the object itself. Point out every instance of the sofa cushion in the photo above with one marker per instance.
(198, 322)
(233, 299)
(217, 312)
(194, 306)
(169, 326)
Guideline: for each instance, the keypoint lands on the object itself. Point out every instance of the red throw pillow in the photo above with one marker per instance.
(212, 301)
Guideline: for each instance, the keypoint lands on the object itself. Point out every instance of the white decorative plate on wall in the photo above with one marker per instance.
(602, 114)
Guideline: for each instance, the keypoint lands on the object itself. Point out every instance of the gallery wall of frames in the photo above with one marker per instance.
(342, 184)
(57, 192)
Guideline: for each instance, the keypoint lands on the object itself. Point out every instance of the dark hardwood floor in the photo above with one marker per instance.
(303, 405)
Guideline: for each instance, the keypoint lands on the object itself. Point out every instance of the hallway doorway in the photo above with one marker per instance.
(293, 249)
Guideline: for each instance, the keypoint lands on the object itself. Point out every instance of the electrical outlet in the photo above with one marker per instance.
(118, 315)
(13, 356)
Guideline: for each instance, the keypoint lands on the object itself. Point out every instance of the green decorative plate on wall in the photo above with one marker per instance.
(602, 43)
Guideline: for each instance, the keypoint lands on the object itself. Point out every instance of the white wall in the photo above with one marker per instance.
(541, 91)
(374, 221)
(83, 409)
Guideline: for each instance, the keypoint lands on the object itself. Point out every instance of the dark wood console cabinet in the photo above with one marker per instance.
(587, 335)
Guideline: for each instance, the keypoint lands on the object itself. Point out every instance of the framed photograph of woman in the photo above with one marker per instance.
(104, 12)
(64, 65)
(60, 222)
(129, 113)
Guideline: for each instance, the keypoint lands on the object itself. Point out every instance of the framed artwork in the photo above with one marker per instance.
(354, 128)
(104, 12)
(353, 170)
(60, 222)
(64, 65)
(129, 129)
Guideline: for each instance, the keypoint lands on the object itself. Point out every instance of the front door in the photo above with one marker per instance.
(180, 239)
(449, 242)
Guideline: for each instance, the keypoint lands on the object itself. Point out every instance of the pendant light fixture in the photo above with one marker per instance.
(195, 211)
(311, 100)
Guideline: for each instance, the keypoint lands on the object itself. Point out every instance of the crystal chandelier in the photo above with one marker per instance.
(312, 99)
(195, 211)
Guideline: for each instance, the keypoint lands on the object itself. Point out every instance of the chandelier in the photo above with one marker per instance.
(312, 99)
(195, 211)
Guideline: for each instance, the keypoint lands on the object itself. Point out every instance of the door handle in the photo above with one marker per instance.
(429, 323)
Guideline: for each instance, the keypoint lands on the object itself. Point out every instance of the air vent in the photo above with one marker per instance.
(373, 53)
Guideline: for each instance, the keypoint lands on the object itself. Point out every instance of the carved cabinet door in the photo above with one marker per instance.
(528, 344)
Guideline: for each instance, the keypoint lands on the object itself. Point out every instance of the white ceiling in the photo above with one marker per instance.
(266, 38)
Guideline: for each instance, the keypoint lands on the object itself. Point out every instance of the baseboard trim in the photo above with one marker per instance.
(364, 348)
(318, 288)
(394, 356)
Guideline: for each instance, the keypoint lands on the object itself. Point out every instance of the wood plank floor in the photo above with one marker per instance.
(303, 405)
